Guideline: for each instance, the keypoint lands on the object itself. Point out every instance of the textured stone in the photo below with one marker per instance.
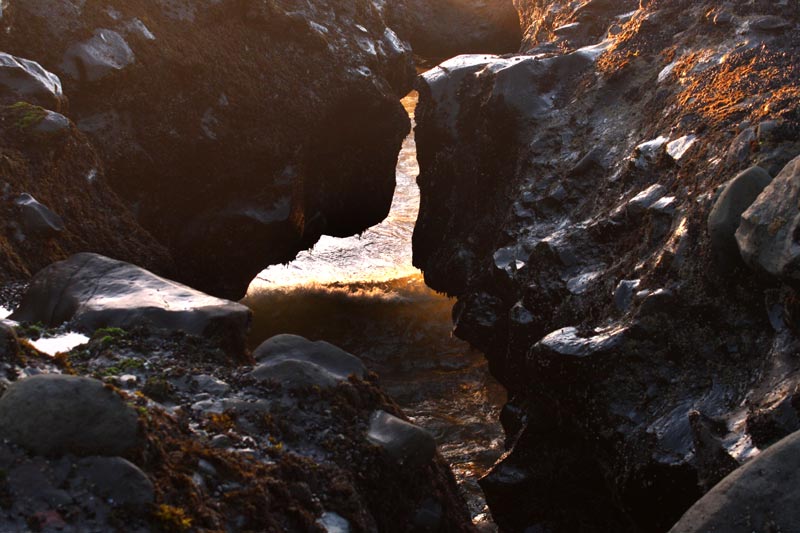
(54, 415)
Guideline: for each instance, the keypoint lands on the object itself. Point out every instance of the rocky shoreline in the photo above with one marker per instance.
(615, 209)
(151, 428)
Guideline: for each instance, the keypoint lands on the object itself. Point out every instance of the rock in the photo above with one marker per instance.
(99, 57)
(760, 496)
(766, 235)
(54, 415)
(297, 362)
(508, 224)
(116, 479)
(38, 219)
(26, 80)
(55, 186)
(448, 28)
(293, 347)
(293, 374)
(179, 124)
(404, 442)
(735, 197)
(90, 291)
(9, 343)
(52, 122)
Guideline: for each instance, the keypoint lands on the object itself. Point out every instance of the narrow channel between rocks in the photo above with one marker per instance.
(363, 294)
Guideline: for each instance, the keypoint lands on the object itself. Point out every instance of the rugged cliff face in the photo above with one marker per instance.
(567, 200)
(238, 130)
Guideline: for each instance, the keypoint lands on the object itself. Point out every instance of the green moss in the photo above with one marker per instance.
(27, 115)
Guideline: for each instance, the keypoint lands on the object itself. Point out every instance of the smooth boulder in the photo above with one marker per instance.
(117, 479)
(735, 197)
(55, 414)
(91, 291)
(404, 442)
(760, 496)
(295, 361)
(38, 219)
(766, 235)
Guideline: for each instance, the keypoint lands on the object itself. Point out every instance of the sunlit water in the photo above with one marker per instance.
(363, 294)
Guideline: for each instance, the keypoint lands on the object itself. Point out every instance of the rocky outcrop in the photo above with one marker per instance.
(237, 131)
(444, 28)
(54, 198)
(206, 446)
(565, 201)
(90, 291)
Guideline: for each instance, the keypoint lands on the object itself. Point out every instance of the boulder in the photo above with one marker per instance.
(295, 361)
(446, 28)
(9, 343)
(116, 479)
(99, 57)
(734, 199)
(241, 131)
(759, 496)
(404, 442)
(38, 219)
(334, 359)
(55, 415)
(90, 291)
(26, 80)
(769, 227)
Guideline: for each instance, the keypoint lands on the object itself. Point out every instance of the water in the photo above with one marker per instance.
(363, 294)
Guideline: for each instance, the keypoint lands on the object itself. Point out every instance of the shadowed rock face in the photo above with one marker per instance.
(565, 201)
(239, 131)
(54, 198)
(444, 28)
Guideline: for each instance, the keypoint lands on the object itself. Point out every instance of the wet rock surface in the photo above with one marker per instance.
(447, 28)
(214, 448)
(566, 196)
(176, 96)
(90, 291)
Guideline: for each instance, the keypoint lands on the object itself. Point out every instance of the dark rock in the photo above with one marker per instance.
(760, 496)
(37, 219)
(90, 291)
(179, 122)
(54, 415)
(22, 79)
(99, 57)
(404, 442)
(768, 228)
(297, 362)
(533, 251)
(735, 198)
(9, 343)
(451, 27)
(769, 23)
(116, 479)
(293, 347)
